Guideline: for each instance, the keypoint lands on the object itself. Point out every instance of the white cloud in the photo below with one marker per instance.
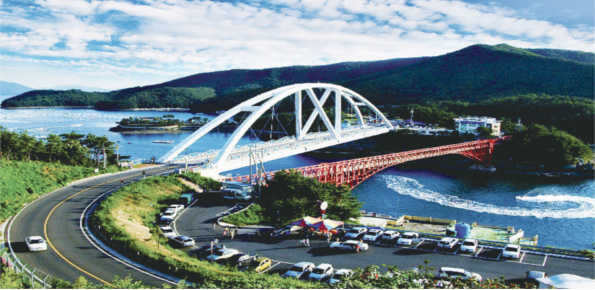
(161, 36)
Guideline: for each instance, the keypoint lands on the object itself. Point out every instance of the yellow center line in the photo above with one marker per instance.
(45, 232)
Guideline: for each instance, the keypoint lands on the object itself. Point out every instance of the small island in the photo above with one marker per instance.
(167, 123)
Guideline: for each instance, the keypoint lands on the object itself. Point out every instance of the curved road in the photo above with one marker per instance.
(70, 255)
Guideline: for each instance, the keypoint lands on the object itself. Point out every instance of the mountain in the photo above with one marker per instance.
(77, 87)
(12, 89)
(474, 73)
(580, 56)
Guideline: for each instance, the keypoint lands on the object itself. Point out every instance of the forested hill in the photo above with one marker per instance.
(475, 73)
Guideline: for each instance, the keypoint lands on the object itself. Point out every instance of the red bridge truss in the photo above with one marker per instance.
(355, 171)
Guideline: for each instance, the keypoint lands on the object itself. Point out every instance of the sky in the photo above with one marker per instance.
(115, 44)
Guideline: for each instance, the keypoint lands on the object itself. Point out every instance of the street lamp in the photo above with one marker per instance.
(186, 154)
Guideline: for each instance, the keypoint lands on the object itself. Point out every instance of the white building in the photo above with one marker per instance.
(470, 124)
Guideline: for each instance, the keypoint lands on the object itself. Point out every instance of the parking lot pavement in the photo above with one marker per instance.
(197, 223)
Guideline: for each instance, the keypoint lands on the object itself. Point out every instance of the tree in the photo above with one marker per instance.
(484, 132)
(54, 145)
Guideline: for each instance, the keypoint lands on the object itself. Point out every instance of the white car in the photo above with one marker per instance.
(511, 251)
(167, 218)
(469, 245)
(408, 238)
(390, 235)
(350, 245)
(340, 275)
(222, 254)
(183, 241)
(321, 272)
(177, 207)
(373, 235)
(454, 273)
(448, 243)
(299, 270)
(36, 243)
(170, 211)
(356, 233)
(168, 232)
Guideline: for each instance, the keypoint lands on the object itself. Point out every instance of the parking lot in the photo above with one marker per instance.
(197, 221)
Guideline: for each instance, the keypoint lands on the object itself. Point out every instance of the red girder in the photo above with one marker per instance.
(355, 171)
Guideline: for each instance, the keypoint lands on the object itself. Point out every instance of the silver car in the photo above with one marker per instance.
(299, 270)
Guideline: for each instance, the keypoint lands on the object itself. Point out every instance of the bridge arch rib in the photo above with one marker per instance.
(270, 99)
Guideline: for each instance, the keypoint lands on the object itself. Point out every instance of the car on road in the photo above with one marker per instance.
(183, 241)
(222, 254)
(356, 233)
(469, 245)
(321, 272)
(373, 235)
(239, 260)
(340, 275)
(350, 245)
(36, 243)
(511, 251)
(204, 251)
(259, 265)
(455, 273)
(168, 232)
(408, 238)
(390, 236)
(300, 270)
(447, 243)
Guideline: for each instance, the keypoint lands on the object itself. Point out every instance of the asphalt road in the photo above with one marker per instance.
(73, 255)
(197, 221)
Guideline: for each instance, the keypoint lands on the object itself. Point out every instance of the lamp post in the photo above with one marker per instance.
(186, 155)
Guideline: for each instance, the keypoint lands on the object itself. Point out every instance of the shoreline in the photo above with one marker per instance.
(186, 110)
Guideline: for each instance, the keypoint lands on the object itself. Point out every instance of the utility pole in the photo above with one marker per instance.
(118, 154)
(250, 157)
(186, 153)
(104, 159)
(412, 124)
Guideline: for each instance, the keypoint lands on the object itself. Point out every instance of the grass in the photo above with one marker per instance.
(253, 215)
(127, 218)
(23, 182)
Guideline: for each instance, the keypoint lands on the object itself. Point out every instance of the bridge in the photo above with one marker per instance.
(233, 156)
(355, 171)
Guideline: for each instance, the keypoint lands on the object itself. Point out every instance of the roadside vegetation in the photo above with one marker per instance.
(203, 182)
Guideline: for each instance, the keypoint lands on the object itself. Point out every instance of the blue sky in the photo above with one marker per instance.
(116, 44)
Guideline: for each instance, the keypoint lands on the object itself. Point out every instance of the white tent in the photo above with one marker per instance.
(566, 281)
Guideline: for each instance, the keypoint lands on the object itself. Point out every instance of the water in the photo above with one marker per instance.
(561, 212)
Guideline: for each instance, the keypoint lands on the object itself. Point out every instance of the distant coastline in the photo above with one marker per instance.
(91, 107)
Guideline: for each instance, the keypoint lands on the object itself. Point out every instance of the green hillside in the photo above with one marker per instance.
(580, 56)
(476, 73)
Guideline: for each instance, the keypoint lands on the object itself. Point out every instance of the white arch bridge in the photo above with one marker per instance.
(233, 156)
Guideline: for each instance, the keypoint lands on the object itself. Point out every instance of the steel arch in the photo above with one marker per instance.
(268, 100)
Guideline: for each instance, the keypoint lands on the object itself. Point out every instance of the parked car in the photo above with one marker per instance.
(342, 231)
(239, 260)
(447, 243)
(407, 238)
(321, 272)
(300, 270)
(356, 233)
(170, 211)
(168, 232)
(340, 275)
(532, 275)
(373, 235)
(177, 207)
(390, 235)
(350, 245)
(455, 273)
(183, 241)
(222, 254)
(204, 251)
(259, 265)
(36, 243)
(511, 251)
(287, 231)
(167, 219)
(469, 245)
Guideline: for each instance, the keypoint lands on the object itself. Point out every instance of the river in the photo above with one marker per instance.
(561, 212)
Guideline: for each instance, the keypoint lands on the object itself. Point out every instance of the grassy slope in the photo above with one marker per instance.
(127, 215)
(22, 182)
